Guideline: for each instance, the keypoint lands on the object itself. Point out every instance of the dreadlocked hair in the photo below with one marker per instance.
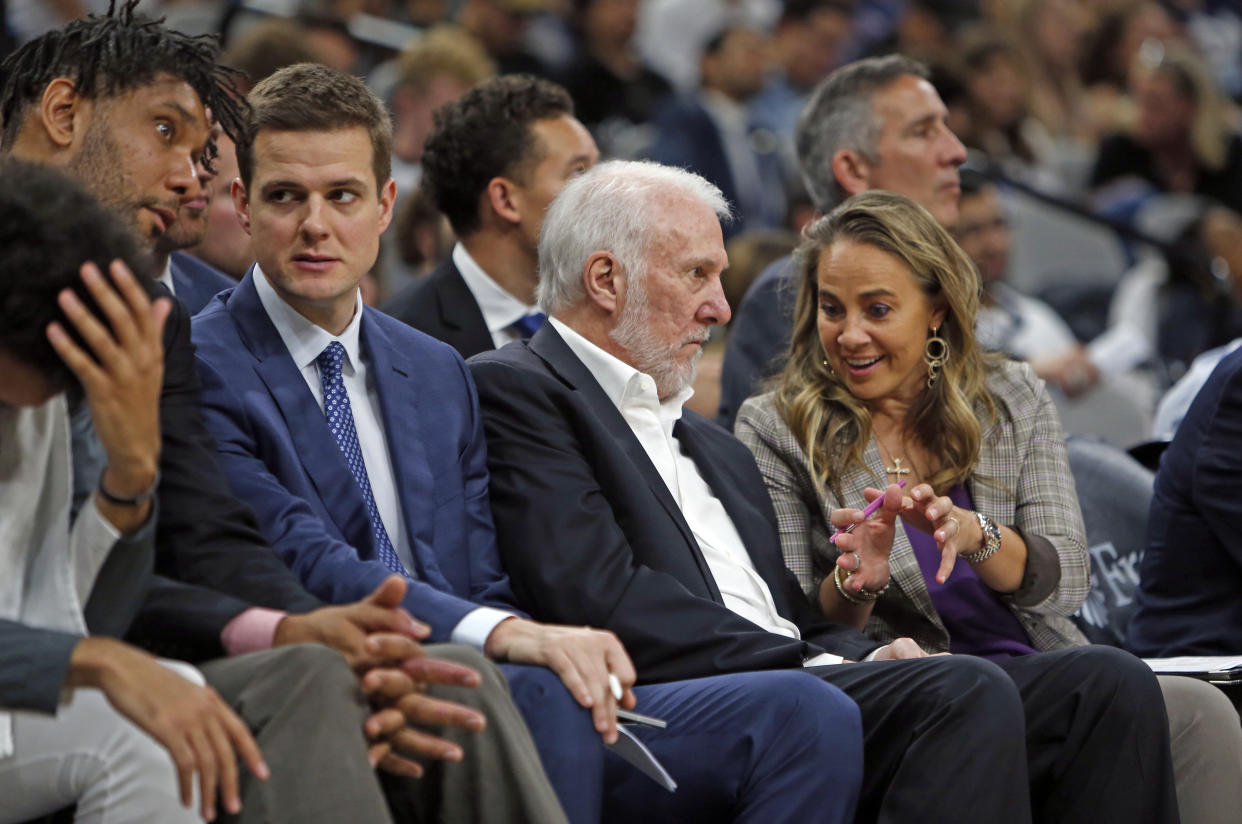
(115, 53)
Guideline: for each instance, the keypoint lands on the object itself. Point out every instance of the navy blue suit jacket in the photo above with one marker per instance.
(196, 282)
(1189, 600)
(280, 456)
(591, 534)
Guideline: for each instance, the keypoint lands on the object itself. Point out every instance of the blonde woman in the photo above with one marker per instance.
(885, 382)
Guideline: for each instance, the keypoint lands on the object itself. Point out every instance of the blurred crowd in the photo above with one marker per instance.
(1106, 132)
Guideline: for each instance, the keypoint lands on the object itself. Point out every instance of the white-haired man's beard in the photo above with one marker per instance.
(648, 354)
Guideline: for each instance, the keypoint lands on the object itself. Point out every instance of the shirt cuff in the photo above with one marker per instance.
(478, 623)
(824, 659)
(251, 631)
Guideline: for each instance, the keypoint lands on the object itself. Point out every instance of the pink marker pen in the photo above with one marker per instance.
(867, 513)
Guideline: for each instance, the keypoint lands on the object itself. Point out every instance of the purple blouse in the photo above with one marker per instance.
(978, 621)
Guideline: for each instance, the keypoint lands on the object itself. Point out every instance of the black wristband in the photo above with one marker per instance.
(137, 500)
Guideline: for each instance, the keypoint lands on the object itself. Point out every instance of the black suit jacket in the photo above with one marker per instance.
(211, 559)
(1189, 599)
(444, 307)
(590, 534)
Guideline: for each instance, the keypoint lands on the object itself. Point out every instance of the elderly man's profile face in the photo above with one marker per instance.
(917, 155)
(669, 311)
(141, 151)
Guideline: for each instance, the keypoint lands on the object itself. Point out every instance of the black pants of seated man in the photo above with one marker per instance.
(1076, 736)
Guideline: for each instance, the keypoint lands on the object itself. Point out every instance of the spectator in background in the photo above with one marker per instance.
(267, 46)
(440, 67)
(673, 33)
(224, 245)
(809, 41)
(711, 132)
(501, 25)
(1182, 141)
(615, 92)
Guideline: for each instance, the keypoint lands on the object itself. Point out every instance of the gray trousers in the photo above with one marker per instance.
(303, 705)
(1205, 738)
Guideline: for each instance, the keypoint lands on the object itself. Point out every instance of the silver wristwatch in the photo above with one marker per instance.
(991, 540)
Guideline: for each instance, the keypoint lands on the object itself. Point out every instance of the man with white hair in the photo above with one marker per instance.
(616, 507)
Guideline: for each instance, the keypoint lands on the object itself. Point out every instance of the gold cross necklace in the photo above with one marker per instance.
(896, 469)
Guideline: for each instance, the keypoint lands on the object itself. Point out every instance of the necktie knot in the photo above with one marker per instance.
(330, 359)
(528, 325)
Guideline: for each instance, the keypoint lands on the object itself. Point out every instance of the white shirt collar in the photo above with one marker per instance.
(621, 382)
(166, 277)
(305, 340)
(500, 309)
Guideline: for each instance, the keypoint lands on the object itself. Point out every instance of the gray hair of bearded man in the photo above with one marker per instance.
(610, 208)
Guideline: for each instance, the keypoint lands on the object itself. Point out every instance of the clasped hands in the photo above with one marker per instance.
(380, 642)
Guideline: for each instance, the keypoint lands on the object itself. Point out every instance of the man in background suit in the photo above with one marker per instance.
(71, 99)
(359, 443)
(661, 530)
(497, 157)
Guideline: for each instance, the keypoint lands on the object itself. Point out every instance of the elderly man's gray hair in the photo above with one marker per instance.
(609, 209)
(839, 116)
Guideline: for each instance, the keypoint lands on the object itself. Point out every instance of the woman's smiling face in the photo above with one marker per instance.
(874, 321)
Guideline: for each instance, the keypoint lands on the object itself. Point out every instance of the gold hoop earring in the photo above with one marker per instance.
(935, 355)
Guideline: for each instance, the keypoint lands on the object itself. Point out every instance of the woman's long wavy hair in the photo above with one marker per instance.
(832, 426)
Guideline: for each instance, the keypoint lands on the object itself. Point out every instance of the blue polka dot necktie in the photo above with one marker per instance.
(341, 421)
(528, 325)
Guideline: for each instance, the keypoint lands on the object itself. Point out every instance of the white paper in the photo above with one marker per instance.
(1194, 663)
(634, 751)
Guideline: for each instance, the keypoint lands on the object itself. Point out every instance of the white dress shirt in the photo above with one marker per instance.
(500, 309)
(305, 342)
(741, 587)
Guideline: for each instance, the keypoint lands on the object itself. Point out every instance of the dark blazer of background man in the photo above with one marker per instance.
(497, 157)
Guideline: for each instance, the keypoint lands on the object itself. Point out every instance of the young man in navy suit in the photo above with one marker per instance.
(358, 442)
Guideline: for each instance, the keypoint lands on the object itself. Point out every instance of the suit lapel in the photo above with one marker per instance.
(393, 376)
(460, 313)
(551, 347)
(752, 525)
(316, 447)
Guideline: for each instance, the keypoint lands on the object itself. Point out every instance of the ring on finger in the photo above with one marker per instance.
(857, 561)
(957, 525)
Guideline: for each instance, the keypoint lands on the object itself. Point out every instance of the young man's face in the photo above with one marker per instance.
(564, 149)
(315, 214)
(140, 153)
(917, 154)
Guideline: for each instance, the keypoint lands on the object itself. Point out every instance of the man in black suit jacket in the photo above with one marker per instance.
(617, 508)
(117, 81)
(497, 157)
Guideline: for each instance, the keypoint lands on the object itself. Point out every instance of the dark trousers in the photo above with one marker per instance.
(762, 747)
(1077, 735)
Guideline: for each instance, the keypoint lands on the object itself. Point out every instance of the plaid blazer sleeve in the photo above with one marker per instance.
(1023, 480)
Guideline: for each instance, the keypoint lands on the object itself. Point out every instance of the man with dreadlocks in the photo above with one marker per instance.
(120, 103)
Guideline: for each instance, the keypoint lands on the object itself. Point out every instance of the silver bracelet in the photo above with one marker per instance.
(991, 541)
